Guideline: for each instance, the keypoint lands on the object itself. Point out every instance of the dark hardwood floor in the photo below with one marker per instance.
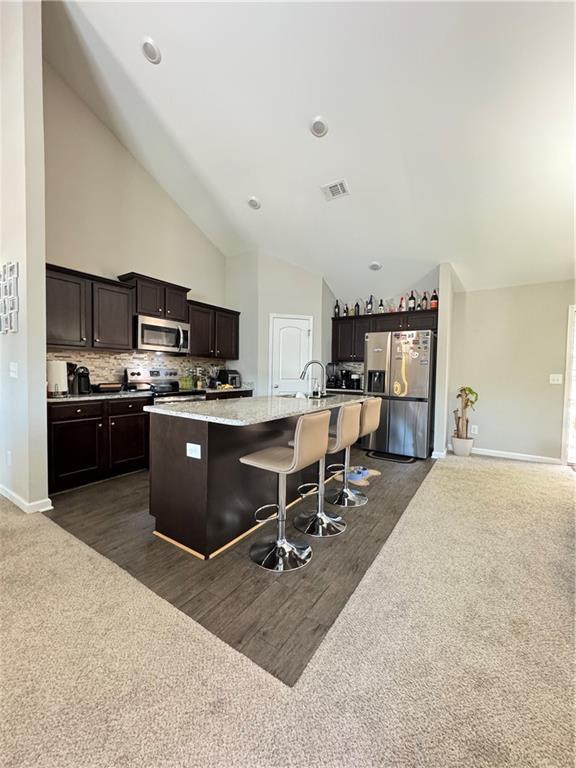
(278, 621)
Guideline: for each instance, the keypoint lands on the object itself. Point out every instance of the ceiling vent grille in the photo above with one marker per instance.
(335, 189)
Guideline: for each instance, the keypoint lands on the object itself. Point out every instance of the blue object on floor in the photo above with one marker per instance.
(355, 475)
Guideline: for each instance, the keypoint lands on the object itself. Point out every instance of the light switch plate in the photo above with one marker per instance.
(473, 429)
(556, 378)
(193, 451)
(13, 370)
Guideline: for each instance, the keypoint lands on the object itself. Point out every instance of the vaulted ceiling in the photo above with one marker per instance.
(450, 122)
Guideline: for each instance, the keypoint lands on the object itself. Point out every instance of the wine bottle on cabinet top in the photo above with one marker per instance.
(357, 309)
(401, 305)
(369, 305)
(425, 301)
(337, 309)
(434, 300)
(381, 307)
(411, 302)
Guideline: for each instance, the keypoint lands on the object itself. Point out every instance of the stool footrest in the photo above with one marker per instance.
(307, 488)
(274, 516)
(334, 469)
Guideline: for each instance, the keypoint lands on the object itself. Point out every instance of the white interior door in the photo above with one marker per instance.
(290, 350)
(569, 448)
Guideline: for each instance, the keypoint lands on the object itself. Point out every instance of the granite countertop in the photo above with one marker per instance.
(246, 411)
(137, 393)
(345, 391)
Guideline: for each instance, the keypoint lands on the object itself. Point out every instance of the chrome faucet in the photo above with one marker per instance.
(305, 370)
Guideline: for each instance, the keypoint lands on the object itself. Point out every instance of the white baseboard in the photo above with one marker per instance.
(512, 456)
(43, 505)
(438, 454)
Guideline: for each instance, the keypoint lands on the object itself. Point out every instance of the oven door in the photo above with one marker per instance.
(163, 335)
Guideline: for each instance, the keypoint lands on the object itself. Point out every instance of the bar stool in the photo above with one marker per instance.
(369, 421)
(347, 431)
(276, 553)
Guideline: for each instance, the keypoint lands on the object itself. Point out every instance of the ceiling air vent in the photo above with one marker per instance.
(335, 189)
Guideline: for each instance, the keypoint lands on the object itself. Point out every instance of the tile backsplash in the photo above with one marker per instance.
(107, 367)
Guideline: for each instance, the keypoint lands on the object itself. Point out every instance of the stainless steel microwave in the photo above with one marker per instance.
(163, 335)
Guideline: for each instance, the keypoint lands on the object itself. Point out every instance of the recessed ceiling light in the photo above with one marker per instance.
(375, 265)
(254, 203)
(151, 51)
(318, 127)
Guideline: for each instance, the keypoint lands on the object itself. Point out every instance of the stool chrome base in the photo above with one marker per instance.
(346, 497)
(319, 524)
(278, 555)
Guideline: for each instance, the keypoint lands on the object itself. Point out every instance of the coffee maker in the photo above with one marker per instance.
(81, 381)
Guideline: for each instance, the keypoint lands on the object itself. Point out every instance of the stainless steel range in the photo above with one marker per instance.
(163, 384)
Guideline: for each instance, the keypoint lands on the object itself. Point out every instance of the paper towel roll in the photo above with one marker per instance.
(57, 376)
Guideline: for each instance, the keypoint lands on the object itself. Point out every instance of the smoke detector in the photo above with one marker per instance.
(335, 189)
(151, 51)
(375, 266)
(254, 203)
(318, 127)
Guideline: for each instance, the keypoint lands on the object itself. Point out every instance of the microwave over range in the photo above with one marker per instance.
(160, 335)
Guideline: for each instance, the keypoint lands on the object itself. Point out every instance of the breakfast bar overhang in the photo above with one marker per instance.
(202, 497)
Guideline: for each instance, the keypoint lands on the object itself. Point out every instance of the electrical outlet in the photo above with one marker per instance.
(13, 370)
(193, 451)
(555, 378)
(8, 458)
(473, 429)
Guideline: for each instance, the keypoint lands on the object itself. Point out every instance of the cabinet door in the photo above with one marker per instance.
(112, 316)
(202, 327)
(421, 321)
(67, 310)
(128, 438)
(176, 304)
(389, 322)
(342, 340)
(149, 298)
(77, 452)
(226, 335)
(362, 326)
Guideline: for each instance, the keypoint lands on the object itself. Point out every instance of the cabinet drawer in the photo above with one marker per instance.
(75, 410)
(119, 407)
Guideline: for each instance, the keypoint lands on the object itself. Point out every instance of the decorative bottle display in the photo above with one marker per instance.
(434, 300)
(425, 301)
(401, 305)
(411, 302)
(381, 307)
(356, 309)
(337, 309)
(346, 311)
(418, 307)
(369, 305)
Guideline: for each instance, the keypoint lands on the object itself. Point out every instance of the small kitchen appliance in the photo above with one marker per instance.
(82, 381)
(57, 378)
(230, 376)
(163, 385)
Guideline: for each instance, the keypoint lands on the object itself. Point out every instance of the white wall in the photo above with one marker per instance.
(328, 302)
(106, 215)
(505, 344)
(22, 399)
(447, 281)
(241, 293)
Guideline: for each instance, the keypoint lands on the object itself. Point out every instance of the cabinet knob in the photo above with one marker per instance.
(96, 339)
(130, 406)
(167, 311)
(212, 351)
(112, 423)
(78, 410)
(100, 425)
(83, 338)
(159, 309)
(217, 351)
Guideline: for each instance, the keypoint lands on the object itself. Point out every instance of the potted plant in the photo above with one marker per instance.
(461, 442)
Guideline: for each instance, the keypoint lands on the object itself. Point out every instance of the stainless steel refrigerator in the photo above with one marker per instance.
(399, 368)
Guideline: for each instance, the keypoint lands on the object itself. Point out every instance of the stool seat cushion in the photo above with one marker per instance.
(279, 458)
(370, 416)
(347, 427)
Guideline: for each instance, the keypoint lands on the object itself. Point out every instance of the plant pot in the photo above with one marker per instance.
(462, 445)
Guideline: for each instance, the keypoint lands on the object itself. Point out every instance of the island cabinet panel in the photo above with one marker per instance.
(227, 332)
(112, 316)
(202, 329)
(89, 441)
(68, 310)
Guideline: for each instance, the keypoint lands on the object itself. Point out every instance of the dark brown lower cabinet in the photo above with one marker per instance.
(228, 394)
(96, 439)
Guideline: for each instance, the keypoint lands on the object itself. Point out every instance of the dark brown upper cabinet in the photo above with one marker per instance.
(202, 330)
(112, 313)
(157, 298)
(214, 332)
(86, 311)
(227, 330)
(68, 310)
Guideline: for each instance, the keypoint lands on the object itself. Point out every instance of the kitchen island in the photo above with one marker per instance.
(202, 497)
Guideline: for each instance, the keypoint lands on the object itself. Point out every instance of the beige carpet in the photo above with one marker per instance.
(455, 650)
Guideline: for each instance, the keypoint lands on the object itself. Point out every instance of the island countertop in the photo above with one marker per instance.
(247, 411)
